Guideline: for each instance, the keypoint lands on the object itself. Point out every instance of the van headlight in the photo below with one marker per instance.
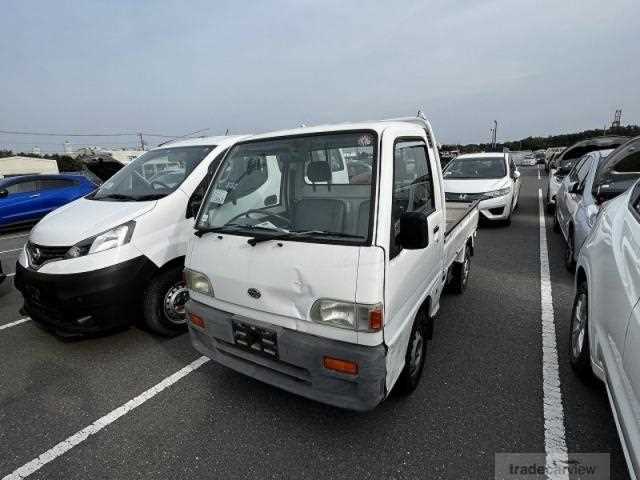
(497, 193)
(198, 282)
(353, 316)
(113, 238)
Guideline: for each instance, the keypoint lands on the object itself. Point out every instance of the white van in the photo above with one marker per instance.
(117, 254)
(330, 291)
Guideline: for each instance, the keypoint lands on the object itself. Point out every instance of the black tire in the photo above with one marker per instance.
(160, 289)
(556, 223)
(415, 356)
(569, 253)
(460, 274)
(579, 351)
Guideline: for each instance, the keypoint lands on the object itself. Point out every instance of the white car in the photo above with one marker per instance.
(605, 322)
(117, 254)
(492, 178)
(331, 292)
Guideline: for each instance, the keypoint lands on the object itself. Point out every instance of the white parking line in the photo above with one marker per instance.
(10, 275)
(11, 251)
(79, 437)
(554, 433)
(13, 324)
(539, 177)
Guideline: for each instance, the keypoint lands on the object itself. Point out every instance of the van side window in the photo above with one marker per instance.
(629, 164)
(412, 185)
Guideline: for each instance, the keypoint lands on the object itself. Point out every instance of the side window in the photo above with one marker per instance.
(51, 184)
(629, 164)
(198, 195)
(583, 170)
(412, 185)
(573, 174)
(23, 187)
(634, 204)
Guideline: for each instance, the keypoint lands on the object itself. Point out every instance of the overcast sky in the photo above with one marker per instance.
(538, 67)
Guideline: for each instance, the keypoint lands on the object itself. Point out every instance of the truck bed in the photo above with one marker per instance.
(462, 223)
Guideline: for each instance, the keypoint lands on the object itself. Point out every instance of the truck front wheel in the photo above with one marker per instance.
(460, 273)
(164, 301)
(415, 356)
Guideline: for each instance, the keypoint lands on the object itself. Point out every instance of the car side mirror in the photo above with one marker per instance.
(516, 174)
(414, 231)
(4, 193)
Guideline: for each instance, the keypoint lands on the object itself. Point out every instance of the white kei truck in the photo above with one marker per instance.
(328, 288)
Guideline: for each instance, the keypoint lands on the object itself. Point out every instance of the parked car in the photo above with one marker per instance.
(563, 164)
(330, 293)
(26, 199)
(117, 255)
(551, 159)
(605, 321)
(492, 178)
(599, 176)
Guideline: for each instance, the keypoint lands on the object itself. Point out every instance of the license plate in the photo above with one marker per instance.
(255, 339)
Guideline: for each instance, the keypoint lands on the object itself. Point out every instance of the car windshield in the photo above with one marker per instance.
(317, 187)
(476, 167)
(153, 175)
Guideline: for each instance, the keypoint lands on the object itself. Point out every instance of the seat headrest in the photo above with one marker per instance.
(319, 171)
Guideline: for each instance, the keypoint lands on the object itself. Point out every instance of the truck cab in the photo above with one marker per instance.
(330, 290)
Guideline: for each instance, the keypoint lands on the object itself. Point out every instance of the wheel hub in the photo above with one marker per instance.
(416, 352)
(174, 303)
(579, 329)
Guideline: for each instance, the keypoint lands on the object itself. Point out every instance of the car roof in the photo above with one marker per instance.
(482, 155)
(600, 141)
(48, 176)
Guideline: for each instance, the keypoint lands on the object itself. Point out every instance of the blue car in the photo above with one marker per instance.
(26, 199)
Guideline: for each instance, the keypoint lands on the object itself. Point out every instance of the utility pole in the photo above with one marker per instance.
(494, 135)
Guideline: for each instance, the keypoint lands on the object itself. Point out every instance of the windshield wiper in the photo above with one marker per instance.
(235, 226)
(297, 234)
(116, 196)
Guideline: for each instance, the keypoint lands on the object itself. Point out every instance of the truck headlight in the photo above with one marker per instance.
(198, 282)
(497, 193)
(353, 316)
(112, 238)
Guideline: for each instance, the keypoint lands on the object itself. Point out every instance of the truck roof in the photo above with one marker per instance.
(195, 142)
(377, 126)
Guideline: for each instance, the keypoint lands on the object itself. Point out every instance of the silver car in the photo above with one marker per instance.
(597, 177)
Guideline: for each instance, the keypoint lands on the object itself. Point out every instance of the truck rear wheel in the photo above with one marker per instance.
(460, 273)
(164, 301)
(415, 356)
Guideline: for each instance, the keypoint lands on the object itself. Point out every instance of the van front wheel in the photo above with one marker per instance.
(164, 301)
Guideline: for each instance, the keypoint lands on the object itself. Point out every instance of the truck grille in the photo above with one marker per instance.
(39, 254)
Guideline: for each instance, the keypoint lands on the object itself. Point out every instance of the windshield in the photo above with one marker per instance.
(153, 175)
(476, 167)
(313, 187)
(572, 155)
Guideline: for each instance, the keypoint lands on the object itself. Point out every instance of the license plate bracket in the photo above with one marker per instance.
(254, 339)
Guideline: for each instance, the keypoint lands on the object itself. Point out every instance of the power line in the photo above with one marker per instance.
(50, 134)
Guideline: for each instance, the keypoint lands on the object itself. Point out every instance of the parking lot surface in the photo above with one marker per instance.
(481, 393)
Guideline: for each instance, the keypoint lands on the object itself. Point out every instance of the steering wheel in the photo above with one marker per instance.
(162, 184)
(262, 212)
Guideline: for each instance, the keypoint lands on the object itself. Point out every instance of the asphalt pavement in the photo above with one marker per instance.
(481, 393)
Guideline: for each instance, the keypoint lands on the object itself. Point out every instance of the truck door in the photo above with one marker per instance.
(410, 273)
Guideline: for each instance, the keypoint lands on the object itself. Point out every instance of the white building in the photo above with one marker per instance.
(16, 165)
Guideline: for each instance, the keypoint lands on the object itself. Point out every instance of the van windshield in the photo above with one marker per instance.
(311, 188)
(153, 175)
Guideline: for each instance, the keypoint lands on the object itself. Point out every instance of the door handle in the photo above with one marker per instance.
(436, 229)
(34, 196)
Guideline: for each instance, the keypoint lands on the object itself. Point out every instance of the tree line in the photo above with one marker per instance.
(538, 143)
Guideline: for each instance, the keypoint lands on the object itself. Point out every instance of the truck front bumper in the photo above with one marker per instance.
(88, 302)
(298, 367)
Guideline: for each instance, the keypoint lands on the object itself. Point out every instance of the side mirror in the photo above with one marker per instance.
(516, 174)
(4, 193)
(414, 231)
(193, 207)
